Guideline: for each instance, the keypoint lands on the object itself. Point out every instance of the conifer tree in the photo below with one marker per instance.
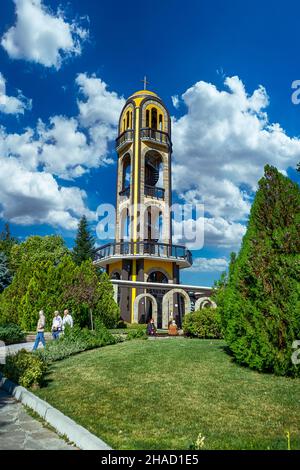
(7, 241)
(84, 244)
(260, 304)
(5, 274)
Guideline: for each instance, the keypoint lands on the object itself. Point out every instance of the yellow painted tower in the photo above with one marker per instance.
(143, 249)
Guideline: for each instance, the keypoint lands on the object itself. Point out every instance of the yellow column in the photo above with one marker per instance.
(135, 204)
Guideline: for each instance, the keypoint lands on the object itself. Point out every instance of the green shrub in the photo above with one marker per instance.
(204, 323)
(76, 340)
(25, 368)
(136, 326)
(137, 333)
(11, 333)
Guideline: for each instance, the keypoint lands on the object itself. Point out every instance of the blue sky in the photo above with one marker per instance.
(228, 65)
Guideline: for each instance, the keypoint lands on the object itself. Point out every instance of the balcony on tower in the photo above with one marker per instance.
(124, 139)
(112, 252)
(156, 136)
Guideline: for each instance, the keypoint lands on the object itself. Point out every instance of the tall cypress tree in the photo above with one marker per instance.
(7, 241)
(5, 274)
(260, 304)
(84, 248)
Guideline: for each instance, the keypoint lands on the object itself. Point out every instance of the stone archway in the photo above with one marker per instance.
(136, 307)
(204, 302)
(168, 303)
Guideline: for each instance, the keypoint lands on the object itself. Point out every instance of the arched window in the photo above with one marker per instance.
(125, 225)
(160, 121)
(154, 175)
(157, 276)
(153, 223)
(147, 118)
(160, 226)
(126, 177)
(131, 126)
(115, 275)
(127, 120)
(154, 118)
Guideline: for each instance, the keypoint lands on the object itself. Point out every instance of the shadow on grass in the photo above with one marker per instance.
(227, 350)
(47, 380)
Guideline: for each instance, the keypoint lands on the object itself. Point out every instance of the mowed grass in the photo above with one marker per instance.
(159, 394)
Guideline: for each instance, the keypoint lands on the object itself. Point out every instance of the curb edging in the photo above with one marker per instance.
(64, 425)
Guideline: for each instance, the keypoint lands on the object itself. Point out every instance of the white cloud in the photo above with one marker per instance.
(42, 36)
(66, 147)
(100, 105)
(206, 265)
(65, 150)
(69, 146)
(226, 138)
(30, 197)
(209, 231)
(223, 233)
(12, 104)
(175, 101)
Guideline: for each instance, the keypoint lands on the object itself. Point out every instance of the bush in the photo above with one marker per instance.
(76, 340)
(204, 323)
(11, 333)
(136, 326)
(25, 368)
(137, 333)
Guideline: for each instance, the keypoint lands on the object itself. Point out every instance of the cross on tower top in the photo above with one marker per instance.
(145, 82)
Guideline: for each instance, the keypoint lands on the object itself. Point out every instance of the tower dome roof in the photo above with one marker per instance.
(141, 93)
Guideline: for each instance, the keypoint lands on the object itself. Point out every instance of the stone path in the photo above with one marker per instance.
(19, 431)
(13, 348)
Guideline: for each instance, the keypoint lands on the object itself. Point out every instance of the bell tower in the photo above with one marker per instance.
(143, 249)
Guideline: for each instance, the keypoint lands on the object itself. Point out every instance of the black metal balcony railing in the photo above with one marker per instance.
(125, 192)
(161, 250)
(153, 191)
(157, 136)
(124, 138)
(146, 134)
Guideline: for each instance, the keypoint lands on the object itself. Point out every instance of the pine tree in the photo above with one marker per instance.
(7, 241)
(260, 306)
(5, 274)
(84, 243)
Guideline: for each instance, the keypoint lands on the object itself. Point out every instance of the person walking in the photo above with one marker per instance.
(67, 319)
(40, 337)
(56, 325)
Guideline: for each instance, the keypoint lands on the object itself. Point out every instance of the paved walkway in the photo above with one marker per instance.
(19, 431)
(13, 348)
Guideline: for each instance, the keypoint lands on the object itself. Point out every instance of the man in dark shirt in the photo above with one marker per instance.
(151, 329)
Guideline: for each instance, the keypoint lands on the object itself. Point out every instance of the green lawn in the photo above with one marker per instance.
(160, 394)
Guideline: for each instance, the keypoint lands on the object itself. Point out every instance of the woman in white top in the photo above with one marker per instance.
(67, 319)
(56, 325)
